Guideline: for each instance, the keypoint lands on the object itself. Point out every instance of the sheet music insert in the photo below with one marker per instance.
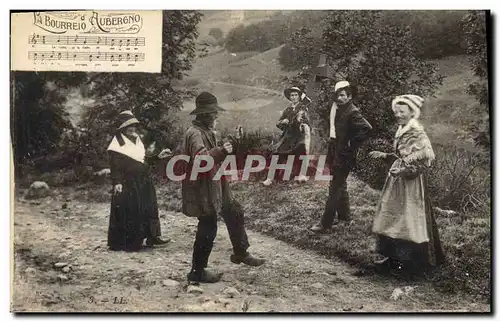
(89, 41)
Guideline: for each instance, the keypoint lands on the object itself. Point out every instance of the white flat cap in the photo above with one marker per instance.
(341, 84)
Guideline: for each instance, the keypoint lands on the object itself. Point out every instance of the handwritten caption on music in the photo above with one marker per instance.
(87, 41)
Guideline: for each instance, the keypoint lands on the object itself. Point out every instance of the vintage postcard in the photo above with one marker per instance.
(251, 161)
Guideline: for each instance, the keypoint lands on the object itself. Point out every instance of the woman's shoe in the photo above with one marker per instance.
(156, 241)
(268, 182)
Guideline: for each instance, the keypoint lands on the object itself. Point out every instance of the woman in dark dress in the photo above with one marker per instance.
(296, 137)
(134, 208)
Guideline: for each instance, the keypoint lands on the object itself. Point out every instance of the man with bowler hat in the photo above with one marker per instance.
(205, 197)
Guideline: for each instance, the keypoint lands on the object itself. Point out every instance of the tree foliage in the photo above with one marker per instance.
(474, 26)
(273, 32)
(436, 33)
(38, 118)
(302, 46)
(380, 62)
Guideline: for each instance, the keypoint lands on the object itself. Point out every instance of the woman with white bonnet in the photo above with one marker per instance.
(407, 234)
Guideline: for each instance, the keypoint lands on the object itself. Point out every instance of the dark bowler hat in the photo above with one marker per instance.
(206, 103)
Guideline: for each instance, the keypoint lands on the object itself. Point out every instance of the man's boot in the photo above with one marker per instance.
(204, 276)
(199, 273)
(247, 259)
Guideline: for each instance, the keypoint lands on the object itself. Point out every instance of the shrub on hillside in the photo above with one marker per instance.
(373, 171)
(217, 33)
(250, 38)
(460, 179)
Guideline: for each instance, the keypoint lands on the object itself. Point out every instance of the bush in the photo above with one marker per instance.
(250, 38)
(373, 171)
(460, 179)
(217, 33)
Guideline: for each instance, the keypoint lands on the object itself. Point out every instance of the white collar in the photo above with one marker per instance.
(133, 150)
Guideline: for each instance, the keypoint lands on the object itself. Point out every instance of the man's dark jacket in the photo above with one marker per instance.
(351, 130)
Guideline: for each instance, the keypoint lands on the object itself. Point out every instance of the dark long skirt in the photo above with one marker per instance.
(134, 214)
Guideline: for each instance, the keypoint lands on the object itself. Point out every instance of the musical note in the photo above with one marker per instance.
(85, 56)
(87, 40)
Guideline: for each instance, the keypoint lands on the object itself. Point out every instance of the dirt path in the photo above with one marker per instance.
(59, 230)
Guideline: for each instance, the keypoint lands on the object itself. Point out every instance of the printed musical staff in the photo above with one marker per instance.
(86, 40)
(85, 56)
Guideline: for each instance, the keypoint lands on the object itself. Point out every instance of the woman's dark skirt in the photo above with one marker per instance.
(134, 214)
